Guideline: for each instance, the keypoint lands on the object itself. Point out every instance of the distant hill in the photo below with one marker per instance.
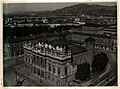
(88, 10)
(78, 9)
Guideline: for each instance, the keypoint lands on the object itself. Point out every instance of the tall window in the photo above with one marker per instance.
(42, 62)
(34, 70)
(49, 67)
(42, 73)
(37, 59)
(45, 63)
(53, 69)
(29, 59)
(22, 51)
(49, 77)
(38, 71)
(12, 54)
(66, 69)
(25, 57)
(58, 82)
(34, 59)
(59, 71)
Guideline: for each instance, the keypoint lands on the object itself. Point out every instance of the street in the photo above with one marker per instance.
(10, 79)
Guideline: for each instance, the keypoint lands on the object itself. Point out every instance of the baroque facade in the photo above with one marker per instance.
(56, 62)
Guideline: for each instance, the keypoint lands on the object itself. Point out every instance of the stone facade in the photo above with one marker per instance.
(54, 64)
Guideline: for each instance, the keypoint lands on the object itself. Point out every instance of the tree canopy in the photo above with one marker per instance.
(100, 62)
(83, 71)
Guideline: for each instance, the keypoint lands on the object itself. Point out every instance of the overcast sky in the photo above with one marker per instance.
(13, 7)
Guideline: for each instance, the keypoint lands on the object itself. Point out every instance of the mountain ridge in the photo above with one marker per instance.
(77, 9)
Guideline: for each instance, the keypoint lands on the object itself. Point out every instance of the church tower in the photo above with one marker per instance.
(90, 43)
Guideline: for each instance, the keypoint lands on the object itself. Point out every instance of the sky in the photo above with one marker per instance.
(13, 7)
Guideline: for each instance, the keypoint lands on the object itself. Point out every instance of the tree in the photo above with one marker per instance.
(83, 71)
(100, 62)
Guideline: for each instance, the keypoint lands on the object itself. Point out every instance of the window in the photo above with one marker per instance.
(58, 82)
(49, 77)
(59, 71)
(17, 53)
(53, 78)
(53, 69)
(45, 63)
(49, 67)
(66, 69)
(39, 61)
(32, 59)
(29, 59)
(12, 54)
(25, 57)
(42, 62)
(42, 73)
(34, 70)
(22, 52)
(36, 59)
(38, 71)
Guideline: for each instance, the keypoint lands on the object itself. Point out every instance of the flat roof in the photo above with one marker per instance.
(74, 48)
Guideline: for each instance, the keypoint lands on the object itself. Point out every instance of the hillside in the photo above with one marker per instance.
(87, 10)
(78, 9)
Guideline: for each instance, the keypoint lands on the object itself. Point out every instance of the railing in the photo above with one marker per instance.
(44, 52)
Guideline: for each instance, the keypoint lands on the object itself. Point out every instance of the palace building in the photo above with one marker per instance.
(55, 62)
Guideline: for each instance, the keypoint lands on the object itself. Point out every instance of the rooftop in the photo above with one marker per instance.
(61, 49)
(90, 39)
(70, 44)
